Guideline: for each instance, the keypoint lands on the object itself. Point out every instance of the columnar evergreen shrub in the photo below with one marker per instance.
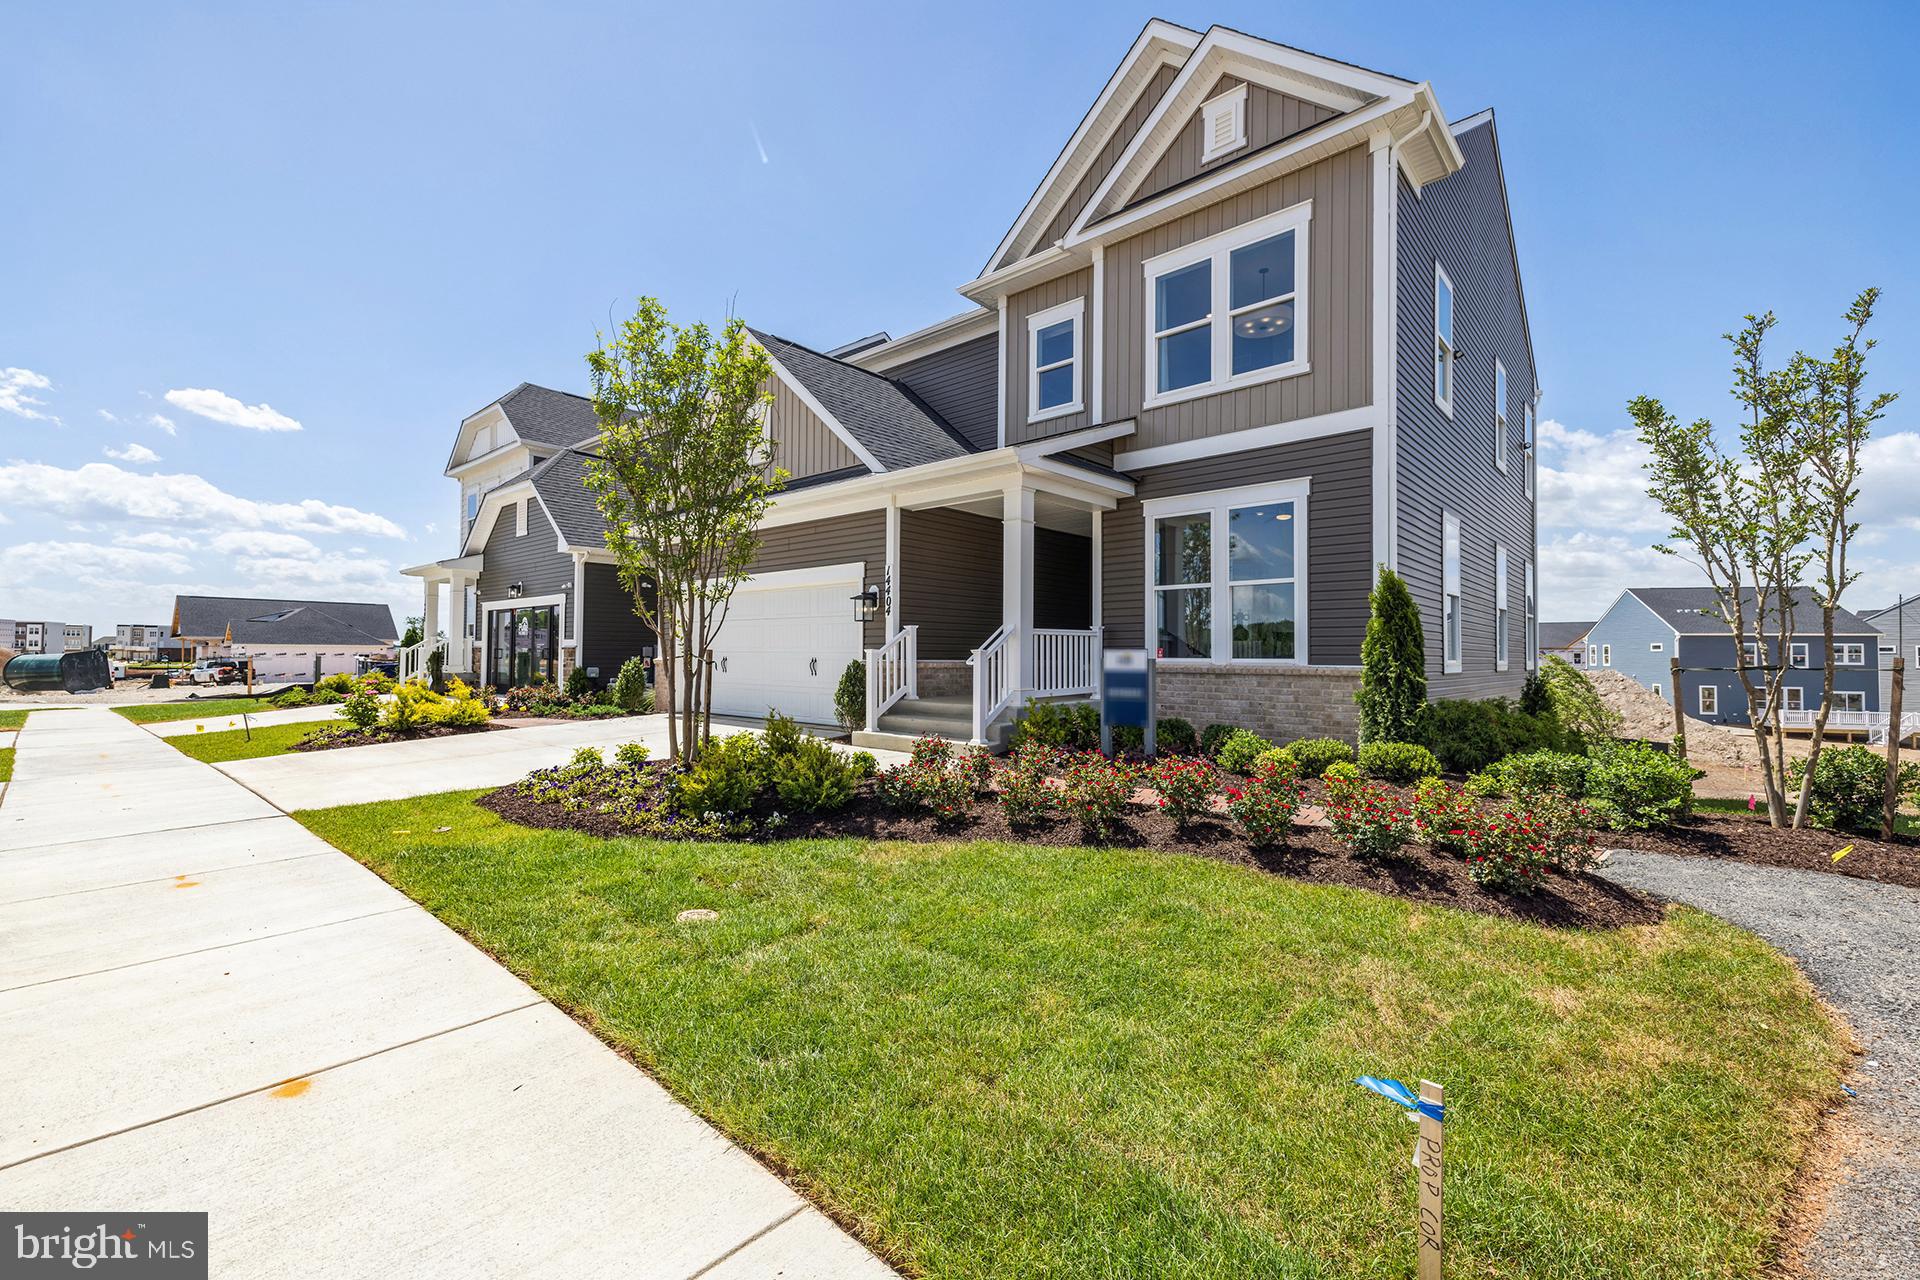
(850, 696)
(629, 688)
(1393, 663)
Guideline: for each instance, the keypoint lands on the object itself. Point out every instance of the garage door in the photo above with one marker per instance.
(785, 642)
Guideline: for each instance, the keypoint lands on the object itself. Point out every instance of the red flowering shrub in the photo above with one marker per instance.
(1443, 815)
(1374, 822)
(1512, 850)
(1024, 793)
(932, 779)
(932, 749)
(1264, 807)
(1185, 786)
(1097, 792)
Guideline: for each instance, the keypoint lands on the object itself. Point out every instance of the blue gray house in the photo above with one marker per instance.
(1648, 627)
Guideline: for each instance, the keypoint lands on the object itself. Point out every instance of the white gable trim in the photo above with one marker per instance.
(807, 398)
(514, 495)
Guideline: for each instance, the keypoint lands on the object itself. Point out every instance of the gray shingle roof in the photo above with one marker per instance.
(541, 415)
(1696, 610)
(561, 483)
(1563, 635)
(889, 421)
(291, 622)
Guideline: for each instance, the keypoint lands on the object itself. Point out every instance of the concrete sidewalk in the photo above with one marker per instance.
(224, 1013)
(222, 723)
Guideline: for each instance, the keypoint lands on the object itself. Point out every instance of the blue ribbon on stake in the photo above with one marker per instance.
(1394, 1091)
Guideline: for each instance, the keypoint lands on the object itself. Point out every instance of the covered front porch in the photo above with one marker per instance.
(459, 578)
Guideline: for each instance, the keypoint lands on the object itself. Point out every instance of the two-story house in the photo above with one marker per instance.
(1647, 628)
(1258, 330)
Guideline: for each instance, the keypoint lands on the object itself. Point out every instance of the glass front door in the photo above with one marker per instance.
(522, 647)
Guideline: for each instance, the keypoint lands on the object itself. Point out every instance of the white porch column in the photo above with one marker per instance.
(1094, 614)
(1016, 577)
(430, 612)
(893, 575)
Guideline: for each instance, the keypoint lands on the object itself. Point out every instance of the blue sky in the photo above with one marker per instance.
(366, 221)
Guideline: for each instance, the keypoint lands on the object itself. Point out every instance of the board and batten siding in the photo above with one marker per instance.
(1447, 464)
(1019, 356)
(949, 579)
(1102, 165)
(840, 540)
(531, 559)
(961, 383)
(1339, 310)
(802, 443)
(1271, 116)
(1339, 537)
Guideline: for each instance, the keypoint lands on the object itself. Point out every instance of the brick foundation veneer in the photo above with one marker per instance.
(944, 678)
(1280, 703)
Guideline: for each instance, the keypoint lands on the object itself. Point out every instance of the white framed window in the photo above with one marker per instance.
(473, 506)
(1529, 440)
(1656, 689)
(1499, 415)
(1709, 700)
(1606, 655)
(1656, 647)
(1449, 591)
(1443, 349)
(1223, 124)
(1794, 698)
(1887, 650)
(1227, 574)
(1500, 655)
(1053, 360)
(1593, 655)
(1797, 655)
(1849, 700)
(1916, 655)
(1228, 311)
(1531, 636)
(1849, 655)
(1750, 653)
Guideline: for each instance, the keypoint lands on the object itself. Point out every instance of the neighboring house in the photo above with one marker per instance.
(297, 640)
(1259, 329)
(1646, 628)
(1565, 640)
(137, 641)
(1899, 628)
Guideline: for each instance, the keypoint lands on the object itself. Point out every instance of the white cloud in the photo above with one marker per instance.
(161, 421)
(1589, 480)
(132, 453)
(110, 417)
(263, 543)
(1581, 573)
(14, 386)
(221, 407)
(101, 491)
(89, 562)
(1890, 484)
(155, 538)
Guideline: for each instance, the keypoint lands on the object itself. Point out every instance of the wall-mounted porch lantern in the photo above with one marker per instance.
(514, 589)
(868, 604)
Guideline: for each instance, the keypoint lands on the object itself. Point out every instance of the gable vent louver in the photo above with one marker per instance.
(1223, 124)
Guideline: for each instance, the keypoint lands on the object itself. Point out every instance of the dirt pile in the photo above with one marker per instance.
(1646, 714)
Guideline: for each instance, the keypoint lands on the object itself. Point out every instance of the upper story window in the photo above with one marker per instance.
(473, 506)
(1500, 656)
(1223, 124)
(1443, 349)
(1849, 655)
(1450, 591)
(1499, 415)
(1749, 653)
(1530, 634)
(1228, 311)
(1229, 574)
(1797, 655)
(1529, 427)
(1053, 360)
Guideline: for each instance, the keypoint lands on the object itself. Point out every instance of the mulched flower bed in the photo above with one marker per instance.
(1311, 854)
(356, 738)
(1750, 839)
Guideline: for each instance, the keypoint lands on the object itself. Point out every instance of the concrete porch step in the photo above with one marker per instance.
(911, 718)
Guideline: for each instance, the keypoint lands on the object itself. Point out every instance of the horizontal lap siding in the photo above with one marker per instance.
(950, 579)
(802, 443)
(1339, 309)
(962, 385)
(1062, 580)
(840, 540)
(530, 559)
(1271, 116)
(1448, 463)
(1339, 537)
(612, 631)
(1077, 284)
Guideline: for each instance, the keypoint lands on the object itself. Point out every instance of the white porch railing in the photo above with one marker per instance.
(1874, 724)
(1065, 663)
(892, 674)
(412, 660)
(994, 688)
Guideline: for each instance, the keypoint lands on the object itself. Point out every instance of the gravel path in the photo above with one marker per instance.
(1858, 941)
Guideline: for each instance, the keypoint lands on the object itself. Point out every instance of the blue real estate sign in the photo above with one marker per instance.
(1126, 695)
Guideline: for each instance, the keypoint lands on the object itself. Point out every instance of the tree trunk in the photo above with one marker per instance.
(1819, 719)
(1891, 803)
(1679, 713)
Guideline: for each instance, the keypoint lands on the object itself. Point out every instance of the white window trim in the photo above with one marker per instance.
(1076, 311)
(1500, 422)
(1502, 642)
(1797, 656)
(1709, 700)
(1234, 100)
(1606, 655)
(1656, 689)
(1657, 647)
(1452, 638)
(1750, 654)
(1218, 249)
(1217, 503)
(1453, 347)
(559, 603)
(1795, 698)
(1530, 442)
(1593, 655)
(1531, 634)
(1842, 654)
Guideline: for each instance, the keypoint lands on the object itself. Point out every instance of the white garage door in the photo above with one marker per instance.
(786, 640)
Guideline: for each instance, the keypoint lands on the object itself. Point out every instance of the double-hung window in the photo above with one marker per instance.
(1531, 635)
(1228, 311)
(1795, 699)
(1797, 655)
(1443, 349)
(1849, 655)
(1750, 653)
(1053, 360)
(1529, 444)
(1606, 655)
(1845, 700)
(1450, 591)
(1499, 415)
(1229, 574)
(1499, 607)
(1709, 700)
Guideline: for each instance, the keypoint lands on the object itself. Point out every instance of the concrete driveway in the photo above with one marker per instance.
(223, 1013)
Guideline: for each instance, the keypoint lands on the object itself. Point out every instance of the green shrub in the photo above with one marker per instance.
(463, 712)
(1212, 737)
(814, 778)
(413, 708)
(1097, 793)
(1264, 806)
(865, 763)
(1635, 786)
(1534, 698)
(1277, 758)
(587, 758)
(1174, 736)
(1185, 786)
(631, 755)
(629, 689)
(782, 735)
(336, 686)
(1393, 663)
(850, 696)
(1340, 771)
(727, 779)
(579, 684)
(1535, 772)
(1066, 726)
(1315, 754)
(1849, 786)
(1128, 739)
(294, 697)
(1240, 750)
(1443, 815)
(1467, 736)
(361, 707)
(1397, 761)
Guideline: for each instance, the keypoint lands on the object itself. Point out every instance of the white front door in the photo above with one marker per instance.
(787, 638)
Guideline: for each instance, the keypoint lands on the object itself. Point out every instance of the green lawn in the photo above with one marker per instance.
(1006, 1060)
(6, 764)
(205, 709)
(238, 744)
(13, 719)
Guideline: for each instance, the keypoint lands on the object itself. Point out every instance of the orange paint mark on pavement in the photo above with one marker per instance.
(292, 1089)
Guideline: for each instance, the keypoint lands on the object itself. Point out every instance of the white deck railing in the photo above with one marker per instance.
(1872, 723)
(412, 660)
(1065, 663)
(994, 686)
(892, 674)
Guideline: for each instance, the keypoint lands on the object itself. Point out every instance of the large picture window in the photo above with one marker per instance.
(1053, 361)
(1228, 311)
(1228, 580)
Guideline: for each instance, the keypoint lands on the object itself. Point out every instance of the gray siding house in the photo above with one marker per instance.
(1899, 628)
(1646, 628)
(1258, 330)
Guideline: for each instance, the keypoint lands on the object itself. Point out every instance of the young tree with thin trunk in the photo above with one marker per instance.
(684, 475)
